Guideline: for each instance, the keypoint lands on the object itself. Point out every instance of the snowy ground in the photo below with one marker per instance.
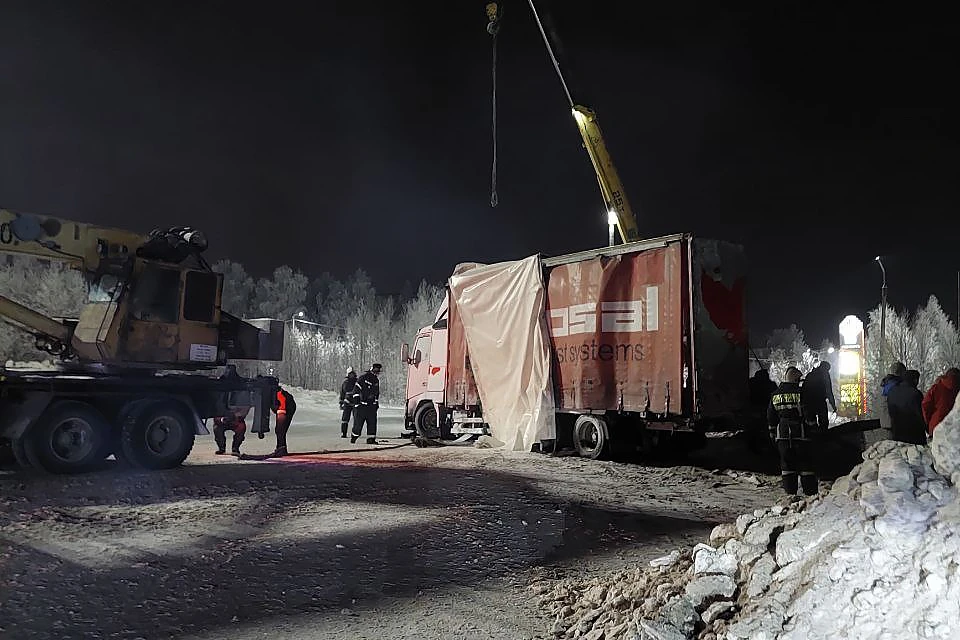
(396, 543)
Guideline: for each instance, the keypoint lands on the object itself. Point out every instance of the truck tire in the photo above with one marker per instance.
(591, 437)
(425, 421)
(161, 437)
(70, 437)
(20, 453)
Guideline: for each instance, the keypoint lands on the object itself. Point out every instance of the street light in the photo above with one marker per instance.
(293, 319)
(883, 314)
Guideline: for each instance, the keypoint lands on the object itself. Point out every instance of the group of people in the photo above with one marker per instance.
(908, 415)
(796, 413)
(359, 397)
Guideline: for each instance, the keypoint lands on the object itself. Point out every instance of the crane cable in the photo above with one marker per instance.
(553, 58)
(493, 28)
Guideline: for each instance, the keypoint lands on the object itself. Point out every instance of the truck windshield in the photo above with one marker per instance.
(104, 289)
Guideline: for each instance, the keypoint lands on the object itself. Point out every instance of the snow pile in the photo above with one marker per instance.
(686, 594)
(876, 558)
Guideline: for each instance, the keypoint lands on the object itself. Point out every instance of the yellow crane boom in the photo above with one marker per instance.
(82, 245)
(611, 188)
(618, 209)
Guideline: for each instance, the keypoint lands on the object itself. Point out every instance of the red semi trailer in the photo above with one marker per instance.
(648, 343)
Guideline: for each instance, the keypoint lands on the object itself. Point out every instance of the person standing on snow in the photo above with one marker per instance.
(906, 415)
(816, 392)
(761, 389)
(284, 406)
(346, 405)
(892, 379)
(366, 399)
(792, 436)
(938, 401)
(234, 421)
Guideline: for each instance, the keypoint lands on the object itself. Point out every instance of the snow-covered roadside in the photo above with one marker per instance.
(877, 557)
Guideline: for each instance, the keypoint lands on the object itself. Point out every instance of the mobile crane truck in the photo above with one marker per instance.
(136, 377)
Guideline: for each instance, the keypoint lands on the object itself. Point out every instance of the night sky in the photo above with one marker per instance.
(357, 134)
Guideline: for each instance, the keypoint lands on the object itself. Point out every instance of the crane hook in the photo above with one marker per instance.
(493, 16)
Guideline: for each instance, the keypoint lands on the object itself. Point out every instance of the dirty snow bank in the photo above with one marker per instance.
(876, 558)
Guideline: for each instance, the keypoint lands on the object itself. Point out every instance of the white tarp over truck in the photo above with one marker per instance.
(502, 310)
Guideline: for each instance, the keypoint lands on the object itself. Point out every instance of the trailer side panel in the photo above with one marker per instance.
(616, 331)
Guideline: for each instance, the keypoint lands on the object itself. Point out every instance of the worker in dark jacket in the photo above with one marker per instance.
(284, 406)
(817, 391)
(346, 405)
(366, 399)
(761, 389)
(791, 433)
(234, 421)
(895, 376)
(904, 402)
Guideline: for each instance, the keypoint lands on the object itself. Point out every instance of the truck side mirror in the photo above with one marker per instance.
(417, 358)
(405, 353)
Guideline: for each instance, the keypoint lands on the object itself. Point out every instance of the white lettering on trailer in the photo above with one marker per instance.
(653, 308)
(625, 316)
(619, 316)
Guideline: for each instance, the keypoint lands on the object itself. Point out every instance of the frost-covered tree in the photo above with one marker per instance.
(280, 296)
(926, 340)
(788, 348)
(237, 287)
(344, 299)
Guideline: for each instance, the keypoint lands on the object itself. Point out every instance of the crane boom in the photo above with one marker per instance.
(610, 186)
(80, 244)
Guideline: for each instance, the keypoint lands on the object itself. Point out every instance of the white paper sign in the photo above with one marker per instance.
(203, 352)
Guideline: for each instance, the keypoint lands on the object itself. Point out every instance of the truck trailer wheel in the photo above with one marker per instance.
(20, 453)
(160, 438)
(591, 437)
(70, 437)
(425, 421)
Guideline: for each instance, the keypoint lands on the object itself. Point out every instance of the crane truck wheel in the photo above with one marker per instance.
(69, 437)
(160, 438)
(591, 437)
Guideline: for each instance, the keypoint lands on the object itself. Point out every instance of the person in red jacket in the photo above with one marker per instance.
(284, 406)
(938, 401)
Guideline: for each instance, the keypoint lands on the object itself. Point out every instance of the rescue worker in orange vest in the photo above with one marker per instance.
(792, 435)
(285, 406)
(234, 421)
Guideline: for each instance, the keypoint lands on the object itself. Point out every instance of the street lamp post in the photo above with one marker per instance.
(883, 314)
(296, 316)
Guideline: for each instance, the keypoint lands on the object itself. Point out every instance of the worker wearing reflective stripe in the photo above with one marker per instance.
(285, 406)
(792, 436)
(366, 400)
